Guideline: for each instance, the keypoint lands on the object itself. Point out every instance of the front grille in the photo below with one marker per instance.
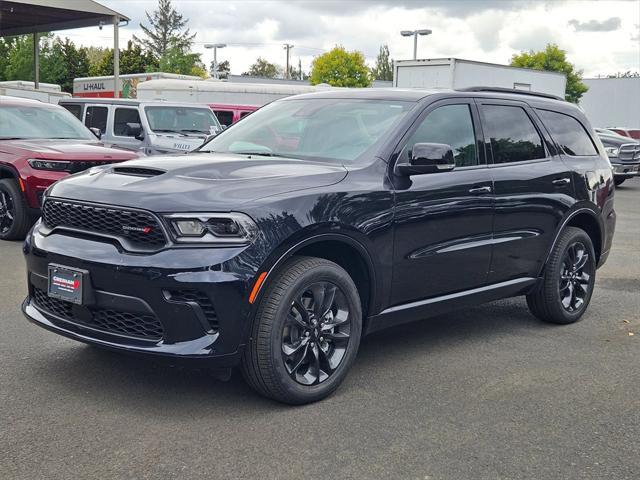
(140, 230)
(202, 300)
(76, 166)
(629, 152)
(138, 325)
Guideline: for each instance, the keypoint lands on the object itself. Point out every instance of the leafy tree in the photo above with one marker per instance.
(132, 60)
(19, 62)
(96, 54)
(224, 69)
(554, 59)
(165, 31)
(340, 68)
(263, 68)
(7, 44)
(62, 62)
(178, 60)
(384, 65)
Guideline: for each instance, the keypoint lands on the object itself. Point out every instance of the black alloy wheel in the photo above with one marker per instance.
(316, 333)
(575, 279)
(306, 332)
(568, 280)
(14, 216)
(7, 212)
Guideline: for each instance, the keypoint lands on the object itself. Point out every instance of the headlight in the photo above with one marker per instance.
(212, 227)
(53, 165)
(611, 151)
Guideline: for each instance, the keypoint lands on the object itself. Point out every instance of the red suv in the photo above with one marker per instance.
(40, 143)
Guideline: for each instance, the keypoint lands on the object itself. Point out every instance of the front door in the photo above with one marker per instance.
(443, 221)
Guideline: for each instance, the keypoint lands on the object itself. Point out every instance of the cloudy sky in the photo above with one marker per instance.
(601, 37)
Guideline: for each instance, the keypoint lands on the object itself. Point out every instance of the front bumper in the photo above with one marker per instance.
(186, 303)
(627, 170)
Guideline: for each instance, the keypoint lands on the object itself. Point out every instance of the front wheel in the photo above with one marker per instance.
(306, 332)
(14, 215)
(569, 278)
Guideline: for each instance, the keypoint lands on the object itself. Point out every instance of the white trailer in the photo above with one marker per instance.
(217, 92)
(455, 73)
(103, 87)
(48, 92)
(612, 102)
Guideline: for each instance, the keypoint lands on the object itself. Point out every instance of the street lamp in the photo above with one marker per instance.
(414, 34)
(215, 47)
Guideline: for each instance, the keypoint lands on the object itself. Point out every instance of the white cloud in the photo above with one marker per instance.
(490, 30)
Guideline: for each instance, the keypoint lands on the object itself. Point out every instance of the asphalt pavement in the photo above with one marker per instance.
(484, 393)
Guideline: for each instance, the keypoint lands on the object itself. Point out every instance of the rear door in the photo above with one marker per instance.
(533, 188)
(443, 221)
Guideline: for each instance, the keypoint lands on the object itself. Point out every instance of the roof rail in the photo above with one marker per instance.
(509, 90)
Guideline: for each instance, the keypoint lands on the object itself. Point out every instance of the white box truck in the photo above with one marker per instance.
(455, 73)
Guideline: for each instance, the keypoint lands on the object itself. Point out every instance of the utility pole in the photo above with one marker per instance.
(300, 69)
(287, 47)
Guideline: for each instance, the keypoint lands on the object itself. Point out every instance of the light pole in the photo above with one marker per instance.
(415, 33)
(287, 47)
(215, 47)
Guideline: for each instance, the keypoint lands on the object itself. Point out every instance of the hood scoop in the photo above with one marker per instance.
(138, 171)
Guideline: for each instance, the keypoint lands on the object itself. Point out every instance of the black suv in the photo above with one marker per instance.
(320, 218)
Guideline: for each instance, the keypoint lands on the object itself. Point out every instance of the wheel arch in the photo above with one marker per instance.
(585, 219)
(341, 249)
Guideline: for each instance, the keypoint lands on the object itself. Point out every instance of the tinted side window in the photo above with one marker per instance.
(225, 117)
(512, 134)
(96, 117)
(244, 114)
(568, 132)
(451, 125)
(121, 118)
(75, 109)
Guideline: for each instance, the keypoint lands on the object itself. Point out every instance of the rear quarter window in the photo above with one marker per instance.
(568, 133)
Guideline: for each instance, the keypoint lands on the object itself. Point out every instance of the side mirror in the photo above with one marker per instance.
(427, 158)
(135, 130)
(97, 132)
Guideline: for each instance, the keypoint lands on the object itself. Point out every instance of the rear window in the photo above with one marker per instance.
(513, 136)
(568, 133)
(96, 117)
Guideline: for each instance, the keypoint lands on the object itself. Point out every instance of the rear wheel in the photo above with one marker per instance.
(568, 281)
(14, 215)
(618, 180)
(306, 333)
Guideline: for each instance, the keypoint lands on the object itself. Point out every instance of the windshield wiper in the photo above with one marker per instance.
(193, 130)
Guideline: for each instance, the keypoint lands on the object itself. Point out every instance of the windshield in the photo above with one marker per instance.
(337, 130)
(182, 120)
(41, 122)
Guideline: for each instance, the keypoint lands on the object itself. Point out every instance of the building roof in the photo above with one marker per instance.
(18, 17)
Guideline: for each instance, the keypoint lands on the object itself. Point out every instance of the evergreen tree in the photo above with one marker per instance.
(384, 65)
(165, 31)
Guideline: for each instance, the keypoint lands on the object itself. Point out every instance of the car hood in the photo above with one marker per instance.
(615, 141)
(197, 182)
(66, 149)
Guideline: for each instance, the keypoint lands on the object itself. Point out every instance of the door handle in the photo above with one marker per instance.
(561, 181)
(485, 189)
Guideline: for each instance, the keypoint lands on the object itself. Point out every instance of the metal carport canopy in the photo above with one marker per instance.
(19, 17)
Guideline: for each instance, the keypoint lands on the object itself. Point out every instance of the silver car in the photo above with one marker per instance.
(153, 127)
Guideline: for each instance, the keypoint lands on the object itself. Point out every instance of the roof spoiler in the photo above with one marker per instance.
(509, 90)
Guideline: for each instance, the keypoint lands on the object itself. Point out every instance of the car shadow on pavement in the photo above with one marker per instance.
(135, 382)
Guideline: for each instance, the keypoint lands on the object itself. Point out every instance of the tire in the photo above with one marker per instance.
(285, 315)
(618, 181)
(554, 301)
(14, 214)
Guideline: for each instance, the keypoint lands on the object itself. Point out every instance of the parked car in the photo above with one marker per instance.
(40, 143)
(150, 127)
(624, 155)
(230, 114)
(323, 217)
(627, 132)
